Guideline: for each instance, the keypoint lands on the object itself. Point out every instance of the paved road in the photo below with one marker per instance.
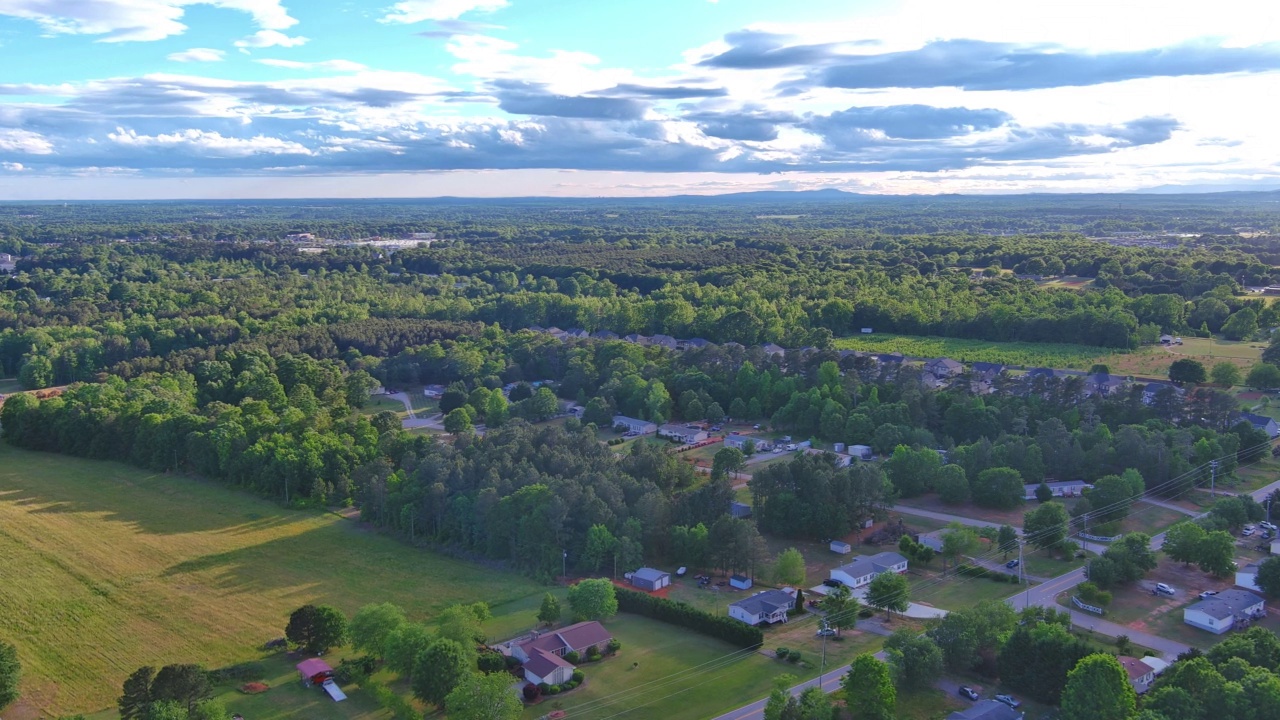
(830, 683)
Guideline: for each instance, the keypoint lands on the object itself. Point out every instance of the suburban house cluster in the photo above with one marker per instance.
(542, 655)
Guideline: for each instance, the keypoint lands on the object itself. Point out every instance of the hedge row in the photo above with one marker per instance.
(722, 627)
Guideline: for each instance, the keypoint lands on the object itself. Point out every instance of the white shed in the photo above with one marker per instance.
(741, 582)
(840, 546)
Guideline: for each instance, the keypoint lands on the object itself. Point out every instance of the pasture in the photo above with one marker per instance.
(1028, 354)
(108, 568)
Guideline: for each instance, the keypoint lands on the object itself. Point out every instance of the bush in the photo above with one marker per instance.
(722, 627)
(572, 657)
(511, 661)
(354, 671)
(531, 692)
(554, 690)
(782, 653)
(593, 653)
(578, 676)
(866, 612)
(614, 645)
(545, 688)
(570, 685)
(491, 662)
(794, 656)
(242, 672)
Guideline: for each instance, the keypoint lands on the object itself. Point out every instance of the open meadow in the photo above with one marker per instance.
(108, 568)
(1028, 354)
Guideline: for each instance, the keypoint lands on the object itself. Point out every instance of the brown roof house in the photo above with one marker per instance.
(543, 654)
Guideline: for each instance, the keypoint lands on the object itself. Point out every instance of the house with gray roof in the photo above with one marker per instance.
(864, 568)
(772, 349)
(1219, 613)
(1263, 423)
(604, 335)
(665, 341)
(769, 606)
(635, 425)
(943, 367)
(1152, 390)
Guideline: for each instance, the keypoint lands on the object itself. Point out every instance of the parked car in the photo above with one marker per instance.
(1268, 525)
(831, 583)
(826, 632)
(1208, 594)
(1267, 535)
(1247, 531)
(1013, 563)
(715, 428)
(1009, 700)
(1164, 589)
(681, 571)
(755, 427)
(968, 692)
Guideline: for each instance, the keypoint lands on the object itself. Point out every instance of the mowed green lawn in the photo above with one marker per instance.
(1029, 354)
(107, 568)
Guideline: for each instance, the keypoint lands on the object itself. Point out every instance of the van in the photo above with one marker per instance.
(1164, 589)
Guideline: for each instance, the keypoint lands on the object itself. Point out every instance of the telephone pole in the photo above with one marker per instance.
(1213, 478)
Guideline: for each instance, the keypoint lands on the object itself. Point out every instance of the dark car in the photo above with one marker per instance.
(831, 582)
(1013, 563)
(968, 692)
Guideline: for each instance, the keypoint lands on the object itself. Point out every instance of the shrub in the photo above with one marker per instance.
(578, 676)
(794, 656)
(354, 671)
(593, 653)
(782, 653)
(491, 662)
(511, 661)
(614, 645)
(545, 688)
(570, 685)
(554, 690)
(722, 627)
(866, 612)
(572, 657)
(531, 692)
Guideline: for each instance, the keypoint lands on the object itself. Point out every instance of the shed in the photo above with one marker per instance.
(741, 582)
(314, 671)
(650, 579)
(862, 452)
(1247, 577)
(739, 510)
(840, 546)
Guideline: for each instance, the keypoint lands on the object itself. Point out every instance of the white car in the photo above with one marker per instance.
(1267, 525)
(1247, 531)
(1208, 594)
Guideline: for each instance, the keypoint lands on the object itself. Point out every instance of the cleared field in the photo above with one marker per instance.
(108, 568)
(1027, 354)
(1155, 361)
(382, 403)
(1066, 282)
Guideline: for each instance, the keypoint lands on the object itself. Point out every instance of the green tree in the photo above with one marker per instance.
(813, 704)
(316, 628)
(209, 710)
(788, 569)
(1182, 542)
(136, 695)
(462, 624)
(869, 681)
(1132, 556)
(1007, 540)
(1225, 374)
(1269, 577)
(1242, 325)
(915, 658)
(186, 685)
(483, 697)
(890, 592)
(372, 627)
(597, 411)
(404, 646)
(1043, 492)
(958, 542)
(167, 710)
(496, 410)
(600, 545)
(458, 422)
(10, 674)
(1098, 689)
(438, 669)
(1263, 376)
(1216, 552)
(1046, 526)
(1186, 371)
(593, 599)
(549, 612)
(912, 472)
(726, 462)
(840, 607)
(952, 485)
(999, 487)
(971, 636)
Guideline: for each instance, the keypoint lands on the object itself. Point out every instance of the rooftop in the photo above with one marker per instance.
(649, 574)
(768, 601)
(1227, 603)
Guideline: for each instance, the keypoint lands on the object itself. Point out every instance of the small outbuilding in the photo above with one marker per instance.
(314, 672)
(741, 582)
(650, 579)
(739, 510)
(840, 546)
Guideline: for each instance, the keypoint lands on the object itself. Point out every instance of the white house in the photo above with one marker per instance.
(943, 367)
(683, 434)
(1220, 613)
(435, 392)
(643, 427)
(769, 606)
(1263, 423)
(862, 452)
(864, 568)
(1059, 488)
(1141, 675)
(1247, 577)
(740, 442)
(933, 539)
(545, 667)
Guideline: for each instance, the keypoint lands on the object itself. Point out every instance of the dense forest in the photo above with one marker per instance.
(208, 342)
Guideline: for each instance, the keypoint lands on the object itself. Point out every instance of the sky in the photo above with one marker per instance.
(160, 99)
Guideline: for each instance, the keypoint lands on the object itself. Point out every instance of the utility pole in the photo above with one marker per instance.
(1213, 478)
(564, 563)
(1268, 509)
(823, 673)
(1026, 602)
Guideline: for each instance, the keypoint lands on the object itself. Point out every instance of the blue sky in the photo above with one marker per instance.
(286, 98)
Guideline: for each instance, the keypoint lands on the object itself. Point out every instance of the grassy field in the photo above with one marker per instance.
(382, 403)
(108, 568)
(9, 385)
(1029, 354)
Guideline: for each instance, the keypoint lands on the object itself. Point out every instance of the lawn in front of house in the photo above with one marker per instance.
(955, 592)
(382, 403)
(663, 671)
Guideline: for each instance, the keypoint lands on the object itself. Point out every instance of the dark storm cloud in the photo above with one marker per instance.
(747, 125)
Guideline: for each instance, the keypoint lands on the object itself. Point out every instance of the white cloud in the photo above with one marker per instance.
(24, 141)
(270, 38)
(134, 20)
(334, 65)
(416, 11)
(197, 55)
(212, 144)
(12, 166)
